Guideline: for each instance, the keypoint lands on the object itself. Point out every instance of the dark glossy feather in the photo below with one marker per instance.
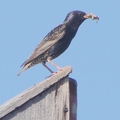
(48, 41)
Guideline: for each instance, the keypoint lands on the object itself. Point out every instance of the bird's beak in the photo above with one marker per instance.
(90, 15)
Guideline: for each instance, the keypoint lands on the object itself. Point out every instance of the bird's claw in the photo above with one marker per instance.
(54, 73)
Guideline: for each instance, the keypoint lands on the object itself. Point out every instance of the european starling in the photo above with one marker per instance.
(57, 41)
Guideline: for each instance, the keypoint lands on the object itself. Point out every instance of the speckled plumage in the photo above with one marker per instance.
(56, 41)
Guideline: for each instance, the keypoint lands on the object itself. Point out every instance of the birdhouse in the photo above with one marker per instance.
(55, 98)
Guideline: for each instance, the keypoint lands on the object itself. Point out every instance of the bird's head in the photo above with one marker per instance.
(75, 18)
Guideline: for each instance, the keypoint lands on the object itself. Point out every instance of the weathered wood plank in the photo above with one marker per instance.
(52, 104)
(32, 100)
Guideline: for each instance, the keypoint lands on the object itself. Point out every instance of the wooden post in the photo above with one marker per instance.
(53, 99)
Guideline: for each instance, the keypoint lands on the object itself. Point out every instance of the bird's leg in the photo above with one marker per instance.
(59, 68)
(43, 63)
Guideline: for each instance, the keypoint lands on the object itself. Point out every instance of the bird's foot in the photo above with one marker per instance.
(60, 69)
(53, 73)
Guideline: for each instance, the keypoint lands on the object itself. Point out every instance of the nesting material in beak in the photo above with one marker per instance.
(90, 15)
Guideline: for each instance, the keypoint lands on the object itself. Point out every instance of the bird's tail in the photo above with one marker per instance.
(24, 68)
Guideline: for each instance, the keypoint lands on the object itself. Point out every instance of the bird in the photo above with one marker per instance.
(57, 41)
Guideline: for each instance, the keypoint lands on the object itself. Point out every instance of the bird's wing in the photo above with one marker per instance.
(49, 40)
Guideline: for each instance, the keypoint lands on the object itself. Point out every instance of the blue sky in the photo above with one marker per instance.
(94, 53)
